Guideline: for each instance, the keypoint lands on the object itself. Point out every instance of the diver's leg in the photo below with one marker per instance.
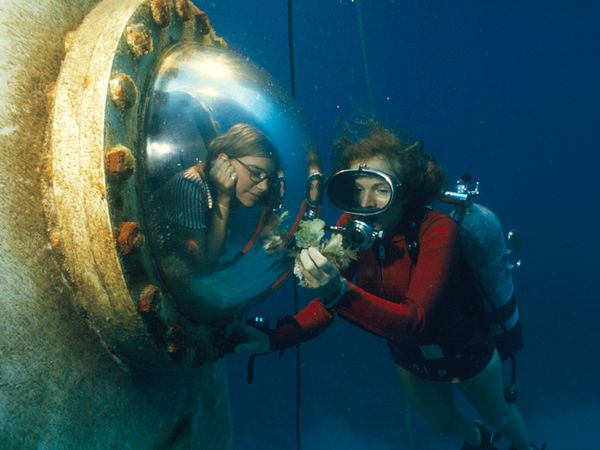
(435, 401)
(485, 392)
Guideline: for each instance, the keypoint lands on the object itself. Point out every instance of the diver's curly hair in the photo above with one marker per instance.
(422, 179)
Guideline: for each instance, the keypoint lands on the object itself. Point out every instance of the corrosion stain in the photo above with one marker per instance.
(122, 91)
(101, 189)
(130, 237)
(220, 42)
(50, 96)
(68, 42)
(175, 341)
(149, 299)
(202, 21)
(120, 162)
(183, 9)
(139, 39)
(55, 239)
(160, 12)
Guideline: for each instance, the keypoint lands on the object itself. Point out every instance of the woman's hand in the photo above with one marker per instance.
(244, 338)
(223, 177)
(320, 274)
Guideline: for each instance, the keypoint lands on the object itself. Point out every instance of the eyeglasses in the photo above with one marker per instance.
(257, 175)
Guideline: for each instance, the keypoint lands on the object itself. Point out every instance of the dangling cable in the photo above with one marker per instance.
(363, 49)
(295, 284)
(298, 379)
(291, 49)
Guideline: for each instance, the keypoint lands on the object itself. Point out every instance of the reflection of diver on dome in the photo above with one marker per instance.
(242, 169)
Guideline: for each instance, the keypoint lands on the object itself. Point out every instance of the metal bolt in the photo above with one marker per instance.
(183, 9)
(149, 299)
(220, 42)
(160, 12)
(202, 21)
(130, 237)
(139, 39)
(175, 339)
(120, 162)
(122, 91)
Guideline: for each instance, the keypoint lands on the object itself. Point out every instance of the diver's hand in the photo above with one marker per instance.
(223, 176)
(320, 275)
(252, 339)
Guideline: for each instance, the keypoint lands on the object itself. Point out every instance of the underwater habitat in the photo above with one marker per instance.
(170, 167)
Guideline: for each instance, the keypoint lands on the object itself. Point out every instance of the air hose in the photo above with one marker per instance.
(295, 284)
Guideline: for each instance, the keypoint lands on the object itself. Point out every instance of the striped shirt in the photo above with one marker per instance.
(188, 198)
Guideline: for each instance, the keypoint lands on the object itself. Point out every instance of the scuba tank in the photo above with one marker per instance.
(488, 259)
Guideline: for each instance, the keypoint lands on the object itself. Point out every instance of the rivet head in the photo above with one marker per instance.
(138, 39)
(220, 42)
(160, 12)
(130, 237)
(120, 162)
(149, 299)
(183, 8)
(203, 22)
(122, 91)
(175, 341)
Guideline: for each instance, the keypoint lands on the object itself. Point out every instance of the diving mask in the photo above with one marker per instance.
(363, 193)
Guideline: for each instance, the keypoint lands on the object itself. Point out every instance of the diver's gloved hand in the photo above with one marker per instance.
(320, 275)
(247, 338)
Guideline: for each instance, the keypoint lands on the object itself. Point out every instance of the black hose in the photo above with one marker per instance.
(291, 49)
(298, 378)
(363, 48)
(295, 284)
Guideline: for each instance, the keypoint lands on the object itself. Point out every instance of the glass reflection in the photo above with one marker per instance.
(362, 191)
(225, 165)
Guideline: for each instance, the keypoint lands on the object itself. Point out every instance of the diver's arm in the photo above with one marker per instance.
(388, 319)
(306, 324)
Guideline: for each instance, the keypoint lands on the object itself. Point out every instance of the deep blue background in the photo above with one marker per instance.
(505, 90)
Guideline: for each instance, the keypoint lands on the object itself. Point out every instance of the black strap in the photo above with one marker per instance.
(413, 228)
(251, 361)
(499, 316)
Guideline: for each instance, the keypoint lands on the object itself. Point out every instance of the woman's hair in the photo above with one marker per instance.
(422, 179)
(241, 140)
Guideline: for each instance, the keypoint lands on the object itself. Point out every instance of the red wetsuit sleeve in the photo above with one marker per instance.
(306, 324)
(389, 319)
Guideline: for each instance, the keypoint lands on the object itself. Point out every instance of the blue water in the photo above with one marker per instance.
(508, 91)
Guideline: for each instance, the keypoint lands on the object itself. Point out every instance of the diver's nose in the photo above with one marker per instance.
(262, 185)
(367, 200)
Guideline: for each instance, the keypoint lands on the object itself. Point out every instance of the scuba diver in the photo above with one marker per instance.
(439, 340)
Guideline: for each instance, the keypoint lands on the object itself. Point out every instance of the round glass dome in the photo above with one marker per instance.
(223, 179)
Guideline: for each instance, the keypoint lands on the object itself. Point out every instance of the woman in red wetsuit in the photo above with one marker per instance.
(437, 338)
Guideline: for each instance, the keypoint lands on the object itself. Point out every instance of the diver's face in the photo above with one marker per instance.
(373, 193)
(255, 175)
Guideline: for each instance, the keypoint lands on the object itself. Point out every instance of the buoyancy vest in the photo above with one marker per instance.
(485, 267)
